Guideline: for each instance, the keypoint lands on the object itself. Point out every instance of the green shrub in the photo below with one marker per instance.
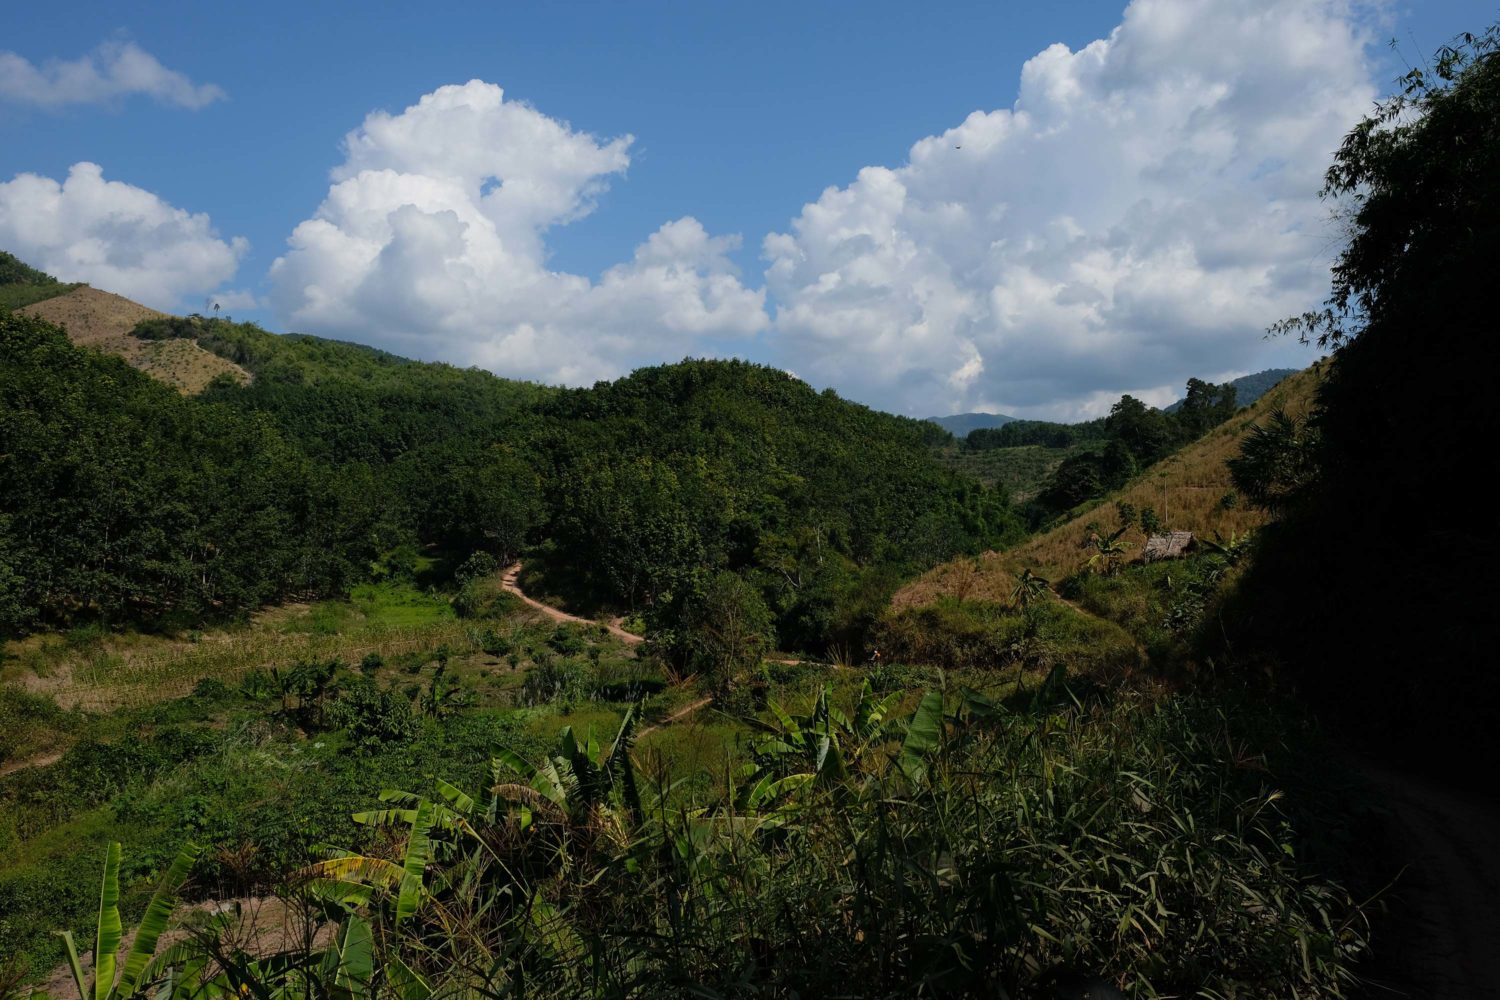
(30, 723)
(566, 641)
(958, 634)
(555, 680)
(373, 717)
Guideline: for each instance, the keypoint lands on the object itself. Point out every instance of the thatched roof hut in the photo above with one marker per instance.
(1172, 545)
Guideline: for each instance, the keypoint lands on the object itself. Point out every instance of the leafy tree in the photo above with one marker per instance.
(1076, 480)
(1142, 429)
(1150, 522)
(726, 629)
(1205, 407)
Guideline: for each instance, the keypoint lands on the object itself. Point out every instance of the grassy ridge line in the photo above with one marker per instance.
(1185, 489)
(18, 296)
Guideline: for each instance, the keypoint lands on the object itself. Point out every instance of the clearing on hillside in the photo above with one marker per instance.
(103, 321)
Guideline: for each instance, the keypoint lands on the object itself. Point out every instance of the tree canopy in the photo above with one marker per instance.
(1379, 582)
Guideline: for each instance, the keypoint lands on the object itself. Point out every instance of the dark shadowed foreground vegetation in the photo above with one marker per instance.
(963, 847)
(1376, 587)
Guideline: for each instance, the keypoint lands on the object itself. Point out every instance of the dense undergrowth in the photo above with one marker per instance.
(973, 849)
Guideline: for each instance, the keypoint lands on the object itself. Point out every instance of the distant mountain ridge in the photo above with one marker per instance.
(1249, 388)
(960, 424)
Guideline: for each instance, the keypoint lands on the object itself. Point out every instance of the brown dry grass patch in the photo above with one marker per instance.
(985, 577)
(1185, 489)
(103, 321)
(128, 670)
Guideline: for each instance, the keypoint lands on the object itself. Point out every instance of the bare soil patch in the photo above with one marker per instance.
(103, 321)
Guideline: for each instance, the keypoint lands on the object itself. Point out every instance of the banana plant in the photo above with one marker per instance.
(574, 783)
(348, 968)
(576, 788)
(820, 748)
(1108, 550)
(355, 879)
(139, 971)
(1230, 550)
(1028, 589)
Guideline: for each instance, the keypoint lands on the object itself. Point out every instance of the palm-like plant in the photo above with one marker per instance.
(824, 748)
(1108, 550)
(1028, 589)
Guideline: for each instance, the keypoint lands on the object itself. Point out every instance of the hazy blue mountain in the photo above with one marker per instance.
(960, 424)
(1249, 388)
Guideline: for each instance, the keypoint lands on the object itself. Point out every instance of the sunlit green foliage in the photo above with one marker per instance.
(124, 501)
(21, 284)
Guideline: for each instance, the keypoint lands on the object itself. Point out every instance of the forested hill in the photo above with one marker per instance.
(1248, 388)
(735, 465)
(632, 494)
(344, 402)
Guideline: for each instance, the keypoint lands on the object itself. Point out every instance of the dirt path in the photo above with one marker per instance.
(1447, 902)
(677, 716)
(1140, 650)
(509, 580)
(40, 760)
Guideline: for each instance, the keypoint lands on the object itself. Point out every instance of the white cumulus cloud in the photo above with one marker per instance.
(431, 242)
(1141, 213)
(114, 236)
(114, 70)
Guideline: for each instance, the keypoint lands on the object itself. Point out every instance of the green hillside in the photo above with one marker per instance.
(1052, 468)
(352, 676)
(641, 489)
(21, 284)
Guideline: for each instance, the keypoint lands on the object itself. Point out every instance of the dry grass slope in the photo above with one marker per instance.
(103, 321)
(1185, 489)
(979, 578)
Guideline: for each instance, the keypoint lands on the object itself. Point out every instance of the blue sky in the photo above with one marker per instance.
(1042, 272)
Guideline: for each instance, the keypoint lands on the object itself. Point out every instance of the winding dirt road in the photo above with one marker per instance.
(509, 581)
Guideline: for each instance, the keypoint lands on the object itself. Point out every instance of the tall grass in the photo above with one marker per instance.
(1132, 841)
(153, 670)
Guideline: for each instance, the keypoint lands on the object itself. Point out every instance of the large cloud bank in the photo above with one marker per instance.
(115, 236)
(431, 242)
(1141, 213)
